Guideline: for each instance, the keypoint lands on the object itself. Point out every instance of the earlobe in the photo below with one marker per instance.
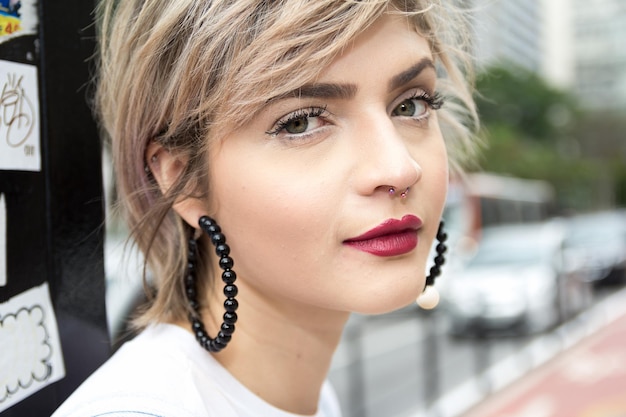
(166, 168)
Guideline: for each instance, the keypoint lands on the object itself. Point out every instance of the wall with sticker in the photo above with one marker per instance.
(52, 316)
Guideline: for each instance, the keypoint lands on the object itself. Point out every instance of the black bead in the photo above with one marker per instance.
(441, 248)
(442, 236)
(222, 250)
(439, 260)
(226, 262)
(230, 291)
(435, 271)
(207, 344)
(212, 347)
(229, 277)
(213, 228)
(200, 333)
(191, 293)
(231, 305)
(230, 317)
(216, 347)
(206, 221)
(218, 238)
(190, 280)
(223, 338)
(430, 280)
(218, 344)
(227, 328)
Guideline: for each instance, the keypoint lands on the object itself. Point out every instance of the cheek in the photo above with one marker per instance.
(276, 224)
(433, 160)
(441, 178)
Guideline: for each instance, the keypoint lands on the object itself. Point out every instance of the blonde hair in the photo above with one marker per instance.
(181, 72)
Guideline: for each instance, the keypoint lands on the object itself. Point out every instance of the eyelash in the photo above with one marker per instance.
(434, 101)
(282, 123)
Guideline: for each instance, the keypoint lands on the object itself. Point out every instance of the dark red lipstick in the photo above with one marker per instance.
(390, 238)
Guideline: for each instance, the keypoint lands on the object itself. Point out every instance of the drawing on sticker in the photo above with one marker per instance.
(31, 357)
(10, 21)
(16, 112)
(26, 350)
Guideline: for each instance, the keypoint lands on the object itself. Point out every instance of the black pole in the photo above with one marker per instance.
(431, 360)
(51, 205)
(482, 359)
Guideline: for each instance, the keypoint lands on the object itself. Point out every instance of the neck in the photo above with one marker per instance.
(281, 350)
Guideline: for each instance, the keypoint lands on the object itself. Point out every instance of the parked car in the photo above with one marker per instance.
(597, 245)
(517, 281)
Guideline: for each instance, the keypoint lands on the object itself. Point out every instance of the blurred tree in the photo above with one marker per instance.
(520, 98)
(535, 131)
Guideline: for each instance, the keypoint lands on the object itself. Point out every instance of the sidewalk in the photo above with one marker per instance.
(587, 379)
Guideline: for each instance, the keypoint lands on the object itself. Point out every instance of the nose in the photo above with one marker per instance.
(384, 159)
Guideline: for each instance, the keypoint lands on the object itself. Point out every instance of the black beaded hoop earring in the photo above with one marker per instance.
(429, 298)
(210, 226)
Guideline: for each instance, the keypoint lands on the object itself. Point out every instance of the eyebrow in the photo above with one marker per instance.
(347, 91)
(406, 76)
(320, 90)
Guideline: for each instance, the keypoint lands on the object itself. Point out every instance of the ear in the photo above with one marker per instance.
(166, 168)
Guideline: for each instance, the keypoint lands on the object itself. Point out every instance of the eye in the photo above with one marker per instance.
(410, 108)
(299, 123)
(296, 126)
(417, 105)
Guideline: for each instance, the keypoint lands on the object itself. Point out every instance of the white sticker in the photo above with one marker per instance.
(3, 241)
(17, 18)
(31, 356)
(19, 117)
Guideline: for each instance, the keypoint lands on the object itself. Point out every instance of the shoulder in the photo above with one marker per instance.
(153, 375)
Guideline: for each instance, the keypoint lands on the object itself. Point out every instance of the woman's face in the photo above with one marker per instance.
(302, 190)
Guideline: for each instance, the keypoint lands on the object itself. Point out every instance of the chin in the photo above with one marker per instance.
(390, 299)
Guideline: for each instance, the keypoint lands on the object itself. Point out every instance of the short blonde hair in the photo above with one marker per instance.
(181, 72)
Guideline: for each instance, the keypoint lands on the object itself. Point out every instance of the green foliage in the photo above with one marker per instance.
(520, 98)
(535, 131)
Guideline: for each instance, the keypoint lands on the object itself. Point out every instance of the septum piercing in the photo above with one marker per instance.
(403, 194)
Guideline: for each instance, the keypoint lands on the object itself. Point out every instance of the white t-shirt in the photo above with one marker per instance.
(164, 372)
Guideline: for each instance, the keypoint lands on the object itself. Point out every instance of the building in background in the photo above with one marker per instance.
(600, 52)
(557, 66)
(573, 44)
(508, 31)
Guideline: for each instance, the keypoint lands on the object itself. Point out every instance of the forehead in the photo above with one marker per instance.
(391, 42)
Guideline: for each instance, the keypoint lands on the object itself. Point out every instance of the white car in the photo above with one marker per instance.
(516, 281)
(597, 245)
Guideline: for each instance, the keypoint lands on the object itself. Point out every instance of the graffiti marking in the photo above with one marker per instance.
(16, 112)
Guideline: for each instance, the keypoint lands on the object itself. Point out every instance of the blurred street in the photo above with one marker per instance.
(412, 367)
(587, 380)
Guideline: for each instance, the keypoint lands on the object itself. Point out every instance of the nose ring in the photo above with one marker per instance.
(403, 194)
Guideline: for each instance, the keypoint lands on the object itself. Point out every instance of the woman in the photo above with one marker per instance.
(292, 149)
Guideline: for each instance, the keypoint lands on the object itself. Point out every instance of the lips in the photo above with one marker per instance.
(390, 238)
